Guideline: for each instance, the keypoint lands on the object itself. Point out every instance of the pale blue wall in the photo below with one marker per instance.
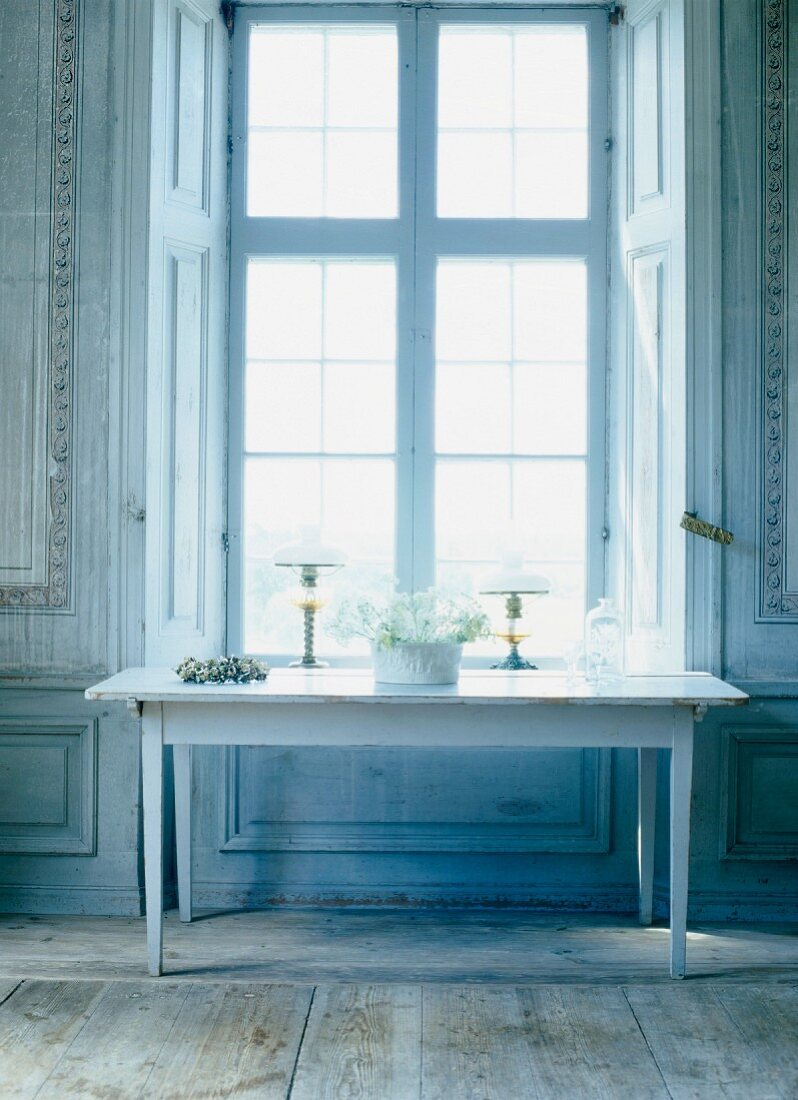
(368, 826)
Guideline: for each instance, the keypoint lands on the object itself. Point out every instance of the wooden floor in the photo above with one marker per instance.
(321, 1005)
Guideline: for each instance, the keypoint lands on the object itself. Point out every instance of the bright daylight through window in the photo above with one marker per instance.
(417, 305)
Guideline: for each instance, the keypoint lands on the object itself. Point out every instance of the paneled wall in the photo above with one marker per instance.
(96, 528)
(69, 802)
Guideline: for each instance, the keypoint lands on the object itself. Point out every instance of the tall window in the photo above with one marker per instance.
(417, 303)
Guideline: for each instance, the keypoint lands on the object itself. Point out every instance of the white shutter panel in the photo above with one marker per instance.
(186, 347)
(647, 347)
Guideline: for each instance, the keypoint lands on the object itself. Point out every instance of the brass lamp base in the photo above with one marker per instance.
(514, 662)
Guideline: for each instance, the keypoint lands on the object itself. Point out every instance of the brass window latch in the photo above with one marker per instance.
(691, 522)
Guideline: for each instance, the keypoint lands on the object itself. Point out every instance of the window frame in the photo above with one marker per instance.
(415, 239)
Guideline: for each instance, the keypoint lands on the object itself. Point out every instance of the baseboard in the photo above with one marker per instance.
(601, 899)
(732, 907)
(113, 901)
(245, 895)
(96, 901)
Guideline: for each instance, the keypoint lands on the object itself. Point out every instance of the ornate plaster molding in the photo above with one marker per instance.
(775, 601)
(55, 593)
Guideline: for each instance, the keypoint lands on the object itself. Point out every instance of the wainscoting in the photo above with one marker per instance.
(48, 787)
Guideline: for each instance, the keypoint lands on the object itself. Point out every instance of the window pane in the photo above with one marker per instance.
(529, 314)
(550, 408)
(351, 501)
(361, 170)
(550, 310)
(472, 408)
(549, 504)
(359, 407)
(474, 311)
(286, 77)
(544, 181)
(475, 69)
(512, 121)
(472, 508)
(360, 310)
(284, 309)
(286, 173)
(283, 407)
(321, 339)
(542, 502)
(362, 77)
(550, 77)
(475, 173)
(322, 121)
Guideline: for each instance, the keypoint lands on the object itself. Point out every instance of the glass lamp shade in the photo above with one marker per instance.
(511, 577)
(309, 551)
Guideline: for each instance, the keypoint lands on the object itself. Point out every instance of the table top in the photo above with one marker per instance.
(286, 685)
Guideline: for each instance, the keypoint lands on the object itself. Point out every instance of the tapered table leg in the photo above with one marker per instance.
(647, 808)
(681, 786)
(182, 765)
(152, 788)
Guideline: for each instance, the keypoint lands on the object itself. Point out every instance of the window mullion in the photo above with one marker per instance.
(405, 312)
(423, 345)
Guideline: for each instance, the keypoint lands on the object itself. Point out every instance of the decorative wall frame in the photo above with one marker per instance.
(776, 601)
(575, 820)
(55, 593)
(758, 816)
(48, 781)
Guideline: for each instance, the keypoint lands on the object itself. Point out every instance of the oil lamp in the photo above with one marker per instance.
(513, 582)
(310, 560)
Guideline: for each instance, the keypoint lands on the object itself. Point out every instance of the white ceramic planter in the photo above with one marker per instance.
(417, 663)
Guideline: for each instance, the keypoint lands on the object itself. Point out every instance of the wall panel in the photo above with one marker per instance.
(778, 429)
(189, 117)
(48, 778)
(648, 111)
(184, 419)
(55, 338)
(383, 801)
(38, 205)
(647, 561)
(759, 163)
(759, 810)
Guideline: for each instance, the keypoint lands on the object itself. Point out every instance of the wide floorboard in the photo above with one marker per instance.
(383, 945)
(198, 1040)
(428, 1006)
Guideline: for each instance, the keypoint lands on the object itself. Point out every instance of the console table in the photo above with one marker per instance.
(487, 709)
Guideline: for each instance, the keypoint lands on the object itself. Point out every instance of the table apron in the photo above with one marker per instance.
(458, 725)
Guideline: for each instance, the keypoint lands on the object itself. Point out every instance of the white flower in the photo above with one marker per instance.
(418, 617)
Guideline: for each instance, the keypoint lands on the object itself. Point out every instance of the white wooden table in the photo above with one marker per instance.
(485, 710)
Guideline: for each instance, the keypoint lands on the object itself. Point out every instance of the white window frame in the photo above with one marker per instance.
(415, 240)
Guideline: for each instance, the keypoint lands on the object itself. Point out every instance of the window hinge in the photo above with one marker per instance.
(608, 143)
(605, 533)
(617, 14)
(225, 542)
(227, 9)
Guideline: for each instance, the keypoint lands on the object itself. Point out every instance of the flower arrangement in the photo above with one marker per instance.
(222, 670)
(420, 618)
